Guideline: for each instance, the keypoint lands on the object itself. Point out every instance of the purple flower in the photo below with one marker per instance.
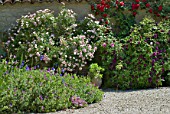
(145, 65)
(157, 48)
(138, 42)
(155, 36)
(77, 101)
(154, 53)
(38, 66)
(35, 67)
(169, 32)
(22, 64)
(41, 98)
(41, 57)
(27, 68)
(48, 70)
(163, 69)
(63, 81)
(62, 70)
(42, 107)
(45, 77)
(157, 43)
(153, 62)
(56, 65)
(53, 68)
(114, 60)
(10, 104)
(150, 79)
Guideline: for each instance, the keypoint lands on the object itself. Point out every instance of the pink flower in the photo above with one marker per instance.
(104, 45)
(112, 45)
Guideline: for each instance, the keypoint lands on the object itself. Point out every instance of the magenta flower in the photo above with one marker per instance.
(112, 45)
(41, 98)
(104, 45)
(150, 79)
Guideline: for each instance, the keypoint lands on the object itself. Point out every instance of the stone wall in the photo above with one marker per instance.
(10, 12)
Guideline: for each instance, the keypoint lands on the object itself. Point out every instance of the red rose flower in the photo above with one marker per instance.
(158, 15)
(133, 6)
(107, 6)
(148, 5)
(92, 7)
(160, 8)
(102, 2)
(137, 1)
(122, 3)
(137, 6)
(106, 22)
(102, 8)
(97, 13)
(105, 15)
(134, 14)
(150, 10)
(143, 0)
(98, 6)
(155, 12)
(117, 2)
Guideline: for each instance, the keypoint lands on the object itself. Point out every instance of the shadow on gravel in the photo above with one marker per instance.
(133, 90)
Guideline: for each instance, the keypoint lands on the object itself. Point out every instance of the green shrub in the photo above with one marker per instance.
(24, 91)
(95, 71)
(157, 35)
(138, 60)
(166, 74)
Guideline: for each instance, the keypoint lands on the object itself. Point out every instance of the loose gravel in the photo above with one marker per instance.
(149, 101)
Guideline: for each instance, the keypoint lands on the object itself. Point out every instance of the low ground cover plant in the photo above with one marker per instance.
(23, 90)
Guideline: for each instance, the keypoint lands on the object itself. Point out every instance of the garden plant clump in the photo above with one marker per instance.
(24, 90)
(46, 40)
(138, 60)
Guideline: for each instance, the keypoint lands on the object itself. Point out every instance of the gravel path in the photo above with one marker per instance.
(150, 101)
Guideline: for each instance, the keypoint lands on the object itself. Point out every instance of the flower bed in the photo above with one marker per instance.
(55, 63)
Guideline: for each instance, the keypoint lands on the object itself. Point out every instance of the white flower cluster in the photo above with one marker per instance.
(76, 52)
(33, 36)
